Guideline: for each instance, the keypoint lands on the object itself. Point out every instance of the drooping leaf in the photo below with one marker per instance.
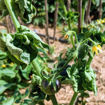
(26, 72)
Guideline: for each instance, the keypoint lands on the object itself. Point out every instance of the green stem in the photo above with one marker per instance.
(83, 15)
(12, 14)
(72, 41)
(76, 39)
(64, 7)
(89, 61)
(36, 67)
(69, 26)
(74, 98)
(53, 99)
(88, 40)
(75, 35)
(69, 59)
(65, 10)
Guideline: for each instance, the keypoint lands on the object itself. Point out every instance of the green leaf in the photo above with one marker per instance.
(25, 57)
(2, 5)
(3, 55)
(97, 2)
(8, 72)
(26, 72)
(26, 102)
(25, 9)
(2, 82)
(9, 101)
(4, 86)
(3, 9)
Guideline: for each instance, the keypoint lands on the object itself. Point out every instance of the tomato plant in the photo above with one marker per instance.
(23, 67)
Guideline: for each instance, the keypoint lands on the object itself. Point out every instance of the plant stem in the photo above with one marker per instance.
(64, 7)
(80, 15)
(76, 39)
(88, 40)
(88, 11)
(72, 41)
(12, 14)
(68, 4)
(83, 15)
(100, 9)
(53, 99)
(74, 98)
(55, 19)
(69, 24)
(47, 23)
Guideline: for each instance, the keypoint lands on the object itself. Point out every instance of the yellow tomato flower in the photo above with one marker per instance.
(97, 48)
(94, 49)
(66, 36)
(98, 21)
(102, 21)
(3, 66)
(11, 64)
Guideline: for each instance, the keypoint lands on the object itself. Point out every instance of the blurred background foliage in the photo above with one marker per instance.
(40, 16)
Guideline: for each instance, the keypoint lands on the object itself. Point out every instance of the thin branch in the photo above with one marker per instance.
(100, 9)
(88, 11)
(55, 19)
(68, 4)
(46, 26)
(80, 15)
